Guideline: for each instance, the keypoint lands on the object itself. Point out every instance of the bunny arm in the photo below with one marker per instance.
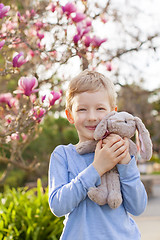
(99, 194)
(86, 147)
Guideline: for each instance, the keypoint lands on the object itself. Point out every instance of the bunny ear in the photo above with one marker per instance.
(144, 138)
(101, 128)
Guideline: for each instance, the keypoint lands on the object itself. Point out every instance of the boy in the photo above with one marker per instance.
(90, 97)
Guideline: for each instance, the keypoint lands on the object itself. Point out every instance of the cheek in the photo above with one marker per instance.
(79, 119)
(102, 115)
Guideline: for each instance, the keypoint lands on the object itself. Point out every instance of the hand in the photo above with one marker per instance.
(109, 152)
(127, 158)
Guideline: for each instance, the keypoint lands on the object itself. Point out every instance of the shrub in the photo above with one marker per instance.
(25, 214)
(155, 158)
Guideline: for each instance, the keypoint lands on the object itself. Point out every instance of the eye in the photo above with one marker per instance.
(125, 121)
(101, 109)
(81, 110)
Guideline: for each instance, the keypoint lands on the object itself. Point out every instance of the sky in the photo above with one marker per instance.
(134, 66)
(144, 64)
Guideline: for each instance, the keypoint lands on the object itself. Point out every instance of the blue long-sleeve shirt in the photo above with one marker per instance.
(70, 177)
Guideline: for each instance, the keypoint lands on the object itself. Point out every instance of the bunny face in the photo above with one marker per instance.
(122, 123)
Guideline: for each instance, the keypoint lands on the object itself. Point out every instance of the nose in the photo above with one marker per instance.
(92, 115)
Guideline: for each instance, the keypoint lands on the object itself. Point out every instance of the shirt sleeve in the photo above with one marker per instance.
(133, 191)
(64, 196)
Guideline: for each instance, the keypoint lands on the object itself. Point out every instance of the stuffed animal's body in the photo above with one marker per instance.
(125, 125)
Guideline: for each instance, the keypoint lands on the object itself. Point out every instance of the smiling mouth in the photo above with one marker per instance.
(92, 128)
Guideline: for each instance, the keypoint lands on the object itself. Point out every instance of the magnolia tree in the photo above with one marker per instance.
(29, 40)
(38, 42)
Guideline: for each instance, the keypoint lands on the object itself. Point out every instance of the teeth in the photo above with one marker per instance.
(91, 127)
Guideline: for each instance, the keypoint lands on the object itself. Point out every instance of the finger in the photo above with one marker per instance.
(99, 145)
(121, 150)
(126, 142)
(116, 141)
(121, 156)
(111, 139)
(118, 145)
(112, 135)
(103, 145)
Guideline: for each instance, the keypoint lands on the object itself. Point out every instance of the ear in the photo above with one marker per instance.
(144, 138)
(69, 116)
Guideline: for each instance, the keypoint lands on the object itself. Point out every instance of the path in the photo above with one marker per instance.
(149, 221)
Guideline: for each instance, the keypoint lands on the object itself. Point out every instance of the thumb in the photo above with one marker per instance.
(99, 145)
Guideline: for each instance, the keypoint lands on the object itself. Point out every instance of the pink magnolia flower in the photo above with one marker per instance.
(27, 86)
(38, 113)
(19, 60)
(3, 10)
(76, 38)
(15, 136)
(51, 7)
(83, 29)
(53, 53)
(54, 96)
(5, 98)
(19, 16)
(87, 41)
(9, 118)
(40, 35)
(96, 41)
(69, 8)
(39, 25)
(109, 66)
(88, 22)
(13, 102)
(31, 53)
(32, 12)
(8, 139)
(2, 43)
(40, 46)
(103, 19)
(33, 98)
(24, 136)
(79, 17)
(43, 98)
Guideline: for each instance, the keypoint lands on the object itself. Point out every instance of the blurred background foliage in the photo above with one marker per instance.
(24, 214)
(53, 131)
(132, 97)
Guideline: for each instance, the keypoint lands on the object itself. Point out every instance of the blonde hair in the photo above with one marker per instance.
(90, 81)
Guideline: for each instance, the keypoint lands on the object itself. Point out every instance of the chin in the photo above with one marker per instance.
(90, 138)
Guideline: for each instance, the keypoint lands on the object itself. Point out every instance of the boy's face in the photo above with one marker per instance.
(88, 109)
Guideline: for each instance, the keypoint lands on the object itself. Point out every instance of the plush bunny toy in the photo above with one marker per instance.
(125, 125)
